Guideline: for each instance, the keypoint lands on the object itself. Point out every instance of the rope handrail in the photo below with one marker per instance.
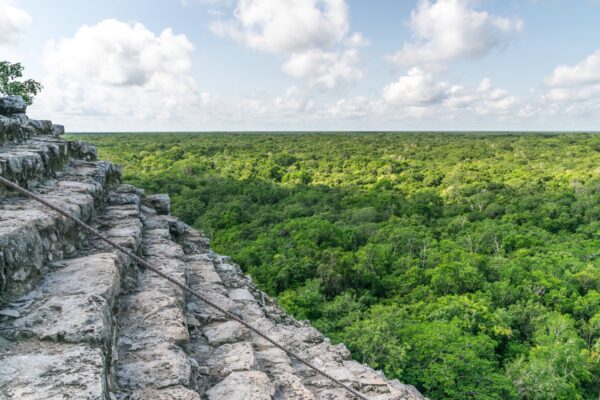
(141, 261)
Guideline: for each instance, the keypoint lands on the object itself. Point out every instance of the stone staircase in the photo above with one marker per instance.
(79, 320)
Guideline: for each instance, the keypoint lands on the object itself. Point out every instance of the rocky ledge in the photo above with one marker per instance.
(79, 320)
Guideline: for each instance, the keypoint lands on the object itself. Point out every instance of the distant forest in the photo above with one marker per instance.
(467, 265)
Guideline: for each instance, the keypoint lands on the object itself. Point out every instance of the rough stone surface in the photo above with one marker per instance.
(232, 357)
(80, 320)
(72, 304)
(226, 332)
(52, 371)
(160, 202)
(12, 105)
(243, 386)
(171, 393)
(58, 130)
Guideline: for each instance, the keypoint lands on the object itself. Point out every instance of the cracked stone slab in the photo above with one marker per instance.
(243, 385)
(290, 387)
(171, 393)
(43, 371)
(207, 314)
(242, 295)
(155, 366)
(73, 319)
(274, 360)
(205, 270)
(152, 316)
(226, 332)
(231, 357)
(72, 304)
(30, 234)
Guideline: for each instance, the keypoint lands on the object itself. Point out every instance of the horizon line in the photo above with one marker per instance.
(335, 131)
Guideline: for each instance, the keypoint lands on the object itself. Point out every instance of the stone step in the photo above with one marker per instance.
(222, 348)
(52, 371)
(59, 341)
(30, 162)
(31, 234)
(152, 331)
(289, 378)
(16, 127)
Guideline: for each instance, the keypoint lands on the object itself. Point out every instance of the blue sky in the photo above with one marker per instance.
(309, 64)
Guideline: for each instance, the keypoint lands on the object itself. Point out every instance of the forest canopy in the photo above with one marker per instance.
(467, 265)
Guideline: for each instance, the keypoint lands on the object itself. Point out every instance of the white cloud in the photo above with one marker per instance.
(117, 53)
(308, 32)
(576, 83)
(586, 72)
(571, 90)
(486, 99)
(292, 102)
(278, 26)
(447, 30)
(121, 70)
(417, 88)
(323, 68)
(12, 21)
(357, 39)
(355, 107)
(419, 94)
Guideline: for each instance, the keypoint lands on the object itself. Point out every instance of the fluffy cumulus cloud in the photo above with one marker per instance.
(308, 32)
(323, 68)
(422, 94)
(580, 82)
(417, 88)
(447, 30)
(486, 99)
(121, 69)
(286, 25)
(13, 20)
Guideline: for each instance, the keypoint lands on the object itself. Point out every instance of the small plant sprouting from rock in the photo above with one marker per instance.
(11, 84)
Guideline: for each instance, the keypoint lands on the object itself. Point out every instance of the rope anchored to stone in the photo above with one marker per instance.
(144, 263)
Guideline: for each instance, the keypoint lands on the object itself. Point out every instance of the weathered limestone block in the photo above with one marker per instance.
(42, 371)
(72, 319)
(32, 161)
(12, 105)
(243, 385)
(274, 360)
(124, 197)
(204, 270)
(161, 248)
(206, 314)
(157, 366)
(84, 151)
(226, 332)
(171, 393)
(401, 391)
(12, 128)
(22, 256)
(58, 130)
(242, 295)
(152, 316)
(290, 387)
(39, 127)
(367, 379)
(72, 304)
(231, 357)
(160, 202)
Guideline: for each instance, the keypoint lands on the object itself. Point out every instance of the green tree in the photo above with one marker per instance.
(11, 84)
(555, 367)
